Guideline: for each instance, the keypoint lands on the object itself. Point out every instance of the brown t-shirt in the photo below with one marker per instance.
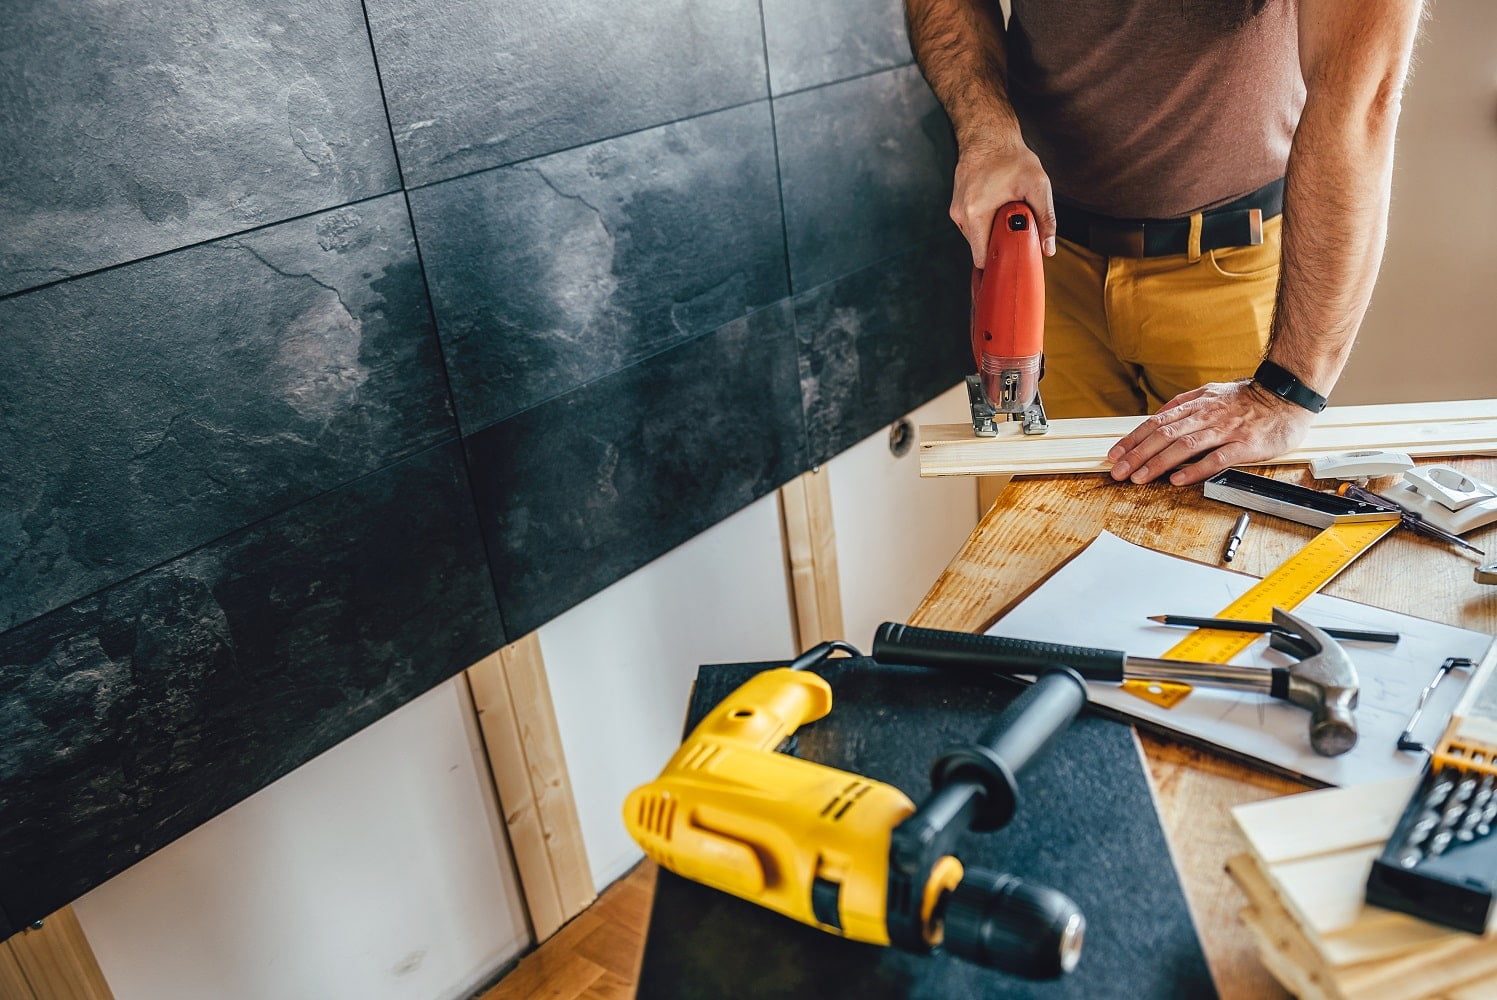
(1156, 108)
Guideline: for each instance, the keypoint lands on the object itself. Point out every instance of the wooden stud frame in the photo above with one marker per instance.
(51, 962)
(811, 557)
(523, 743)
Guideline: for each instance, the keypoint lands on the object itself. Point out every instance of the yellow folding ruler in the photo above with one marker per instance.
(1299, 576)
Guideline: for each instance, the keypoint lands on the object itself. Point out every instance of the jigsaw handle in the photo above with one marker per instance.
(928, 647)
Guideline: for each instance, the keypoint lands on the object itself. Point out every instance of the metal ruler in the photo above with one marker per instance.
(1295, 579)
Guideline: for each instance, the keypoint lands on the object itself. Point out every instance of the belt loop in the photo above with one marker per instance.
(1193, 242)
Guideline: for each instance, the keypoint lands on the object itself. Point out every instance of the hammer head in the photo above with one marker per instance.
(1324, 681)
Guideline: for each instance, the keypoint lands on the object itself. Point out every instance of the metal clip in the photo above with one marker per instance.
(1406, 739)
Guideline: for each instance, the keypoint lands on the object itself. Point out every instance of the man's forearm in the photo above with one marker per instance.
(1337, 189)
(959, 46)
(1335, 226)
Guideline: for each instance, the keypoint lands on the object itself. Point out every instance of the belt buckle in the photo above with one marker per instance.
(1255, 227)
(1116, 240)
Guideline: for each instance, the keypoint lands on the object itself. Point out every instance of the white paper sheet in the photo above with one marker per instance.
(1104, 596)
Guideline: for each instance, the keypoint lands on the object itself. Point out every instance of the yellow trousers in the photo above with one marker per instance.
(1125, 335)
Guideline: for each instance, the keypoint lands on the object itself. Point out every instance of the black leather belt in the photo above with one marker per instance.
(1238, 223)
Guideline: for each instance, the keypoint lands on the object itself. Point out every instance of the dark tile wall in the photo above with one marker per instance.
(127, 134)
(342, 343)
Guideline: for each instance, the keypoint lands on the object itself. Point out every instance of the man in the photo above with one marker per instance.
(1172, 132)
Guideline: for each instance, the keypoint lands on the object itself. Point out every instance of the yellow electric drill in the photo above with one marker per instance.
(852, 856)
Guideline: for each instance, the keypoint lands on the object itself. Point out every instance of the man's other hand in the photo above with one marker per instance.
(989, 175)
(1219, 425)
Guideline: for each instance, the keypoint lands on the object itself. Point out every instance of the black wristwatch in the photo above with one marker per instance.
(1284, 385)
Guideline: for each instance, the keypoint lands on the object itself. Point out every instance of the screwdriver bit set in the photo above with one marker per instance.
(1440, 864)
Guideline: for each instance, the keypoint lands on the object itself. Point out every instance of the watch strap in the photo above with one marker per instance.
(1284, 384)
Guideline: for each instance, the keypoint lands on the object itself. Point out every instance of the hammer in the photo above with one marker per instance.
(1323, 681)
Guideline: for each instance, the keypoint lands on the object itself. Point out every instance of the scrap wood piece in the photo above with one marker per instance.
(1459, 969)
(1079, 445)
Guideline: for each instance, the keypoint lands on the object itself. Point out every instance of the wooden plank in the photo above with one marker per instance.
(506, 754)
(988, 489)
(523, 745)
(57, 962)
(1281, 944)
(13, 984)
(810, 542)
(550, 784)
(1292, 827)
(1461, 427)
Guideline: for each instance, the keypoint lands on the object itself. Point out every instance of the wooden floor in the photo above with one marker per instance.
(597, 955)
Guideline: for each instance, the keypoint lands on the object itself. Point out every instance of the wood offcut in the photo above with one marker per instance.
(1421, 430)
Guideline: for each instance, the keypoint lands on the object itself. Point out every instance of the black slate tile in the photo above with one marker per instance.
(866, 171)
(551, 273)
(812, 42)
(153, 407)
(473, 85)
(586, 488)
(136, 128)
(141, 712)
(878, 343)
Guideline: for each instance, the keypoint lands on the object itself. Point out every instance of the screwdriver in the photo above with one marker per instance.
(1412, 519)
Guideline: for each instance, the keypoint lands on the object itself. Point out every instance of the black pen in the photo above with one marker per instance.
(1236, 625)
(1235, 538)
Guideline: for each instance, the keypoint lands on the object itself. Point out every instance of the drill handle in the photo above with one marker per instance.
(929, 647)
(1024, 729)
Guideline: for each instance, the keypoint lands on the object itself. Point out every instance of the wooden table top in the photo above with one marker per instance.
(1039, 522)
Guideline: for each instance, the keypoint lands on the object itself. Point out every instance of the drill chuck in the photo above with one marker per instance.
(1004, 922)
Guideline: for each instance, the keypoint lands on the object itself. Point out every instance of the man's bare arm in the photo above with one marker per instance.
(1355, 59)
(959, 46)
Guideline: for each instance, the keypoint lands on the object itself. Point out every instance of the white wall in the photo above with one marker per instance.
(376, 871)
(1431, 331)
(896, 531)
(621, 664)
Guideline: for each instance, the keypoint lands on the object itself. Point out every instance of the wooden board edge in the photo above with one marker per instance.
(550, 782)
(810, 545)
(13, 984)
(1423, 430)
(500, 731)
(55, 961)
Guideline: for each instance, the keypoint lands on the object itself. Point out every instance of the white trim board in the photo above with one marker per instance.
(1079, 445)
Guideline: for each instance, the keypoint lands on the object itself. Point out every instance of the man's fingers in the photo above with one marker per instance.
(1147, 454)
(1170, 446)
(1042, 204)
(1210, 464)
(1143, 432)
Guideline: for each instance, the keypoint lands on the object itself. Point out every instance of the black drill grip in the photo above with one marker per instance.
(1034, 720)
(929, 647)
(1029, 724)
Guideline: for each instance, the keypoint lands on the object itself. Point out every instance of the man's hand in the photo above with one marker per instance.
(991, 174)
(1220, 424)
(959, 45)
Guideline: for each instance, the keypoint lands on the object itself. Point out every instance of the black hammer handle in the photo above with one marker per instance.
(929, 647)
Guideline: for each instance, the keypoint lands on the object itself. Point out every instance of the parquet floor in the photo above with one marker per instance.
(596, 956)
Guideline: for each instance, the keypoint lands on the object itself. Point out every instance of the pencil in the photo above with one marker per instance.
(1236, 625)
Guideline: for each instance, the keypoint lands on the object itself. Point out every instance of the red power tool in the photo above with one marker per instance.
(1008, 326)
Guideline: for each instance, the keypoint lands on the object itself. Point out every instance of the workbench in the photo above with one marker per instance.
(1038, 522)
